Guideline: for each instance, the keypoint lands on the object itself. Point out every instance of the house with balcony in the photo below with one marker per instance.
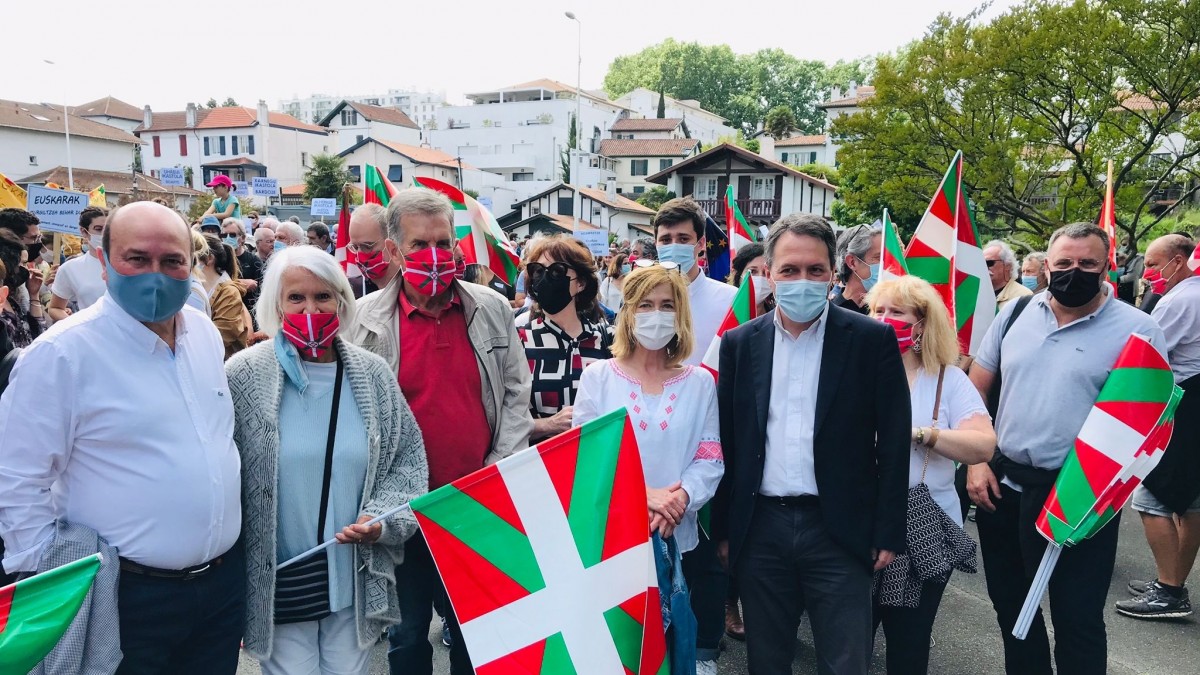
(354, 122)
(554, 210)
(764, 188)
(637, 159)
(32, 139)
(702, 124)
(235, 141)
(521, 133)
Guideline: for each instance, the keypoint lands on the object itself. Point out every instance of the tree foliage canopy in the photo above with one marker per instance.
(326, 178)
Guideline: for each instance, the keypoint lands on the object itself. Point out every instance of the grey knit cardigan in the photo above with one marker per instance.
(396, 473)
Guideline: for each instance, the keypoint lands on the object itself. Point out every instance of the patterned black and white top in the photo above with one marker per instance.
(557, 360)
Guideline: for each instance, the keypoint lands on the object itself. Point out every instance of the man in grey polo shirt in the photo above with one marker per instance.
(1053, 361)
(1174, 485)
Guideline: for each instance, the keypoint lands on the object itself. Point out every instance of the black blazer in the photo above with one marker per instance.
(860, 444)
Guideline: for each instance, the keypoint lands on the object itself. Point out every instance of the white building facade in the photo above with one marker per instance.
(32, 140)
(703, 125)
(355, 122)
(421, 106)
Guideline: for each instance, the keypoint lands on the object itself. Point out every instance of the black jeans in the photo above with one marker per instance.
(908, 630)
(176, 627)
(1012, 550)
(788, 565)
(419, 587)
(706, 581)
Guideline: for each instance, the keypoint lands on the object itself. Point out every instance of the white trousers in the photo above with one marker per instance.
(325, 647)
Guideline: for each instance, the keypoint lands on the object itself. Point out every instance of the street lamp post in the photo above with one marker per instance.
(577, 178)
(67, 132)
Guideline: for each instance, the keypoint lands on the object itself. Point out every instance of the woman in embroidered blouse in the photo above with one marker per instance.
(963, 433)
(566, 331)
(673, 407)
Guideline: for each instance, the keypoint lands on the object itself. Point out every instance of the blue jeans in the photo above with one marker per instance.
(708, 582)
(177, 627)
(418, 586)
(678, 620)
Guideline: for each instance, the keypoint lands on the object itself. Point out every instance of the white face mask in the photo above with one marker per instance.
(762, 288)
(48, 256)
(96, 241)
(654, 330)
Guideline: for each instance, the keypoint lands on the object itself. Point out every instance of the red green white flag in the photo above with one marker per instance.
(892, 263)
(1108, 223)
(379, 190)
(743, 309)
(547, 560)
(946, 240)
(482, 240)
(1194, 262)
(35, 612)
(741, 232)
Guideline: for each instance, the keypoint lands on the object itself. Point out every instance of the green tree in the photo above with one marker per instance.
(780, 122)
(212, 103)
(741, 141)
(326, 178)
(229, 101)
(1037, 99)
(572, 142)
(655, 197)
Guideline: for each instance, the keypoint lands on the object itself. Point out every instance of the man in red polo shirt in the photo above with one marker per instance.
(463, 371)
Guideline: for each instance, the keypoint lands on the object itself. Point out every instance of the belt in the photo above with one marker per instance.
(797, 501)
(186, 574)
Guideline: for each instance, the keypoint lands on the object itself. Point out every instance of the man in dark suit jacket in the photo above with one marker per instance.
(816, 427)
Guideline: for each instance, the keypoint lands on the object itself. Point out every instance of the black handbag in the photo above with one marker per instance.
(302, 589)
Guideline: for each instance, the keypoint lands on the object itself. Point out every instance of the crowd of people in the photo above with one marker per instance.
(210, 401)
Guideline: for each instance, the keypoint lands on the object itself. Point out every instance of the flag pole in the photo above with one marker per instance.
(1037, 589)
(330, 542)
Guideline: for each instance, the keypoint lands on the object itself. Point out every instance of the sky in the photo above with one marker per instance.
(166, 52)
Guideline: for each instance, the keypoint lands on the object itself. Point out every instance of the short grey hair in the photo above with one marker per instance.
(855, 241)
(375, 212)
(1080, 231)
(235, 221)
(320, 263)
(293, 230)
(805, 225)
(1037, 256)
(415, 200)
(1006, 256)
(269, 222)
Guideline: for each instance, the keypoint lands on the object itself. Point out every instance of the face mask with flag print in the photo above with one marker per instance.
(904, 332)
(312, 334)
(1157, 283)
(430, 270)
(373, 266)
(460, 268)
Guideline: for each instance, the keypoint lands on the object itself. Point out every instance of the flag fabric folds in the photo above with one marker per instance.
(740, 230)
(744, 309)
(547, 560)
(892, 263)
(98, 197)
(945, 251)
(482, 240)
(35, 612)
(1108, 223)
(717, 254)
(379, 190)
(12, 196)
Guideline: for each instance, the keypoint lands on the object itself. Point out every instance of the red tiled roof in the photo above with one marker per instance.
(650, 147)
(225, 117)
(421, 155)
(618, 202)
(651, 124)
(743, 154)
(817, 139)
(376, 113)
(37, 117)
(109, 107)
(114, 182)
(864, 92)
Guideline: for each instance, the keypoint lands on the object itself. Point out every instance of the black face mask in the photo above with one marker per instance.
(35, 251)
(19, 277)
(1074, 287)
(552, 293)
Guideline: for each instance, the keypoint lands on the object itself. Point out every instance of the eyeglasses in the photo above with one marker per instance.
(991, 263)
(364, 247)
(647, 262)
(556, 270)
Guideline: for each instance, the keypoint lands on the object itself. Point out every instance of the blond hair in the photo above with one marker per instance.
(939, 340)
(640, 283)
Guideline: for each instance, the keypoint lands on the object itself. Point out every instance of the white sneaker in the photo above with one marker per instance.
(706, 668)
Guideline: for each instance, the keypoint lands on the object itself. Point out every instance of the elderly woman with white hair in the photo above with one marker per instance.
(289, 234)
(327, 442)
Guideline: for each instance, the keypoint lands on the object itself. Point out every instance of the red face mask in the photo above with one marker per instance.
(1157, 283)
(312, 334)
(903, 333)
(373, 266)
(430, 270)
(460, 268)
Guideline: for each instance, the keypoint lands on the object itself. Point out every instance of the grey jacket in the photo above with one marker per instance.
(503, 369)
(396, 473)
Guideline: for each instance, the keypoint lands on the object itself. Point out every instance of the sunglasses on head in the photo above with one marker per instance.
(556, 270)
(647, 262)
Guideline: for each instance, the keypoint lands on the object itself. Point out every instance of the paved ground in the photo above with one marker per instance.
(966, 639)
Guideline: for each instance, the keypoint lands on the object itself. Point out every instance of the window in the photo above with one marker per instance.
(526, 175)
(355, 172)
(221, 144)
(206, 147)
(304, 159)
(639, 167)
(157, 148)
(706, 188)
(234, 142)
(183, 145)
(762, 188)
(349, 117)
(33, 160)
(812, 157)
(396, 172)
(250, 144)
(664, 164)
(783, 158)
(639, 189)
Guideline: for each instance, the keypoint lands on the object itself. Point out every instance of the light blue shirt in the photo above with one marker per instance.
(303, 427)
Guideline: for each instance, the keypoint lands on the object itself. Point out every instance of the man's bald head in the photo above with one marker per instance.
(147, 214)
(1172, 245)
(1168, 255)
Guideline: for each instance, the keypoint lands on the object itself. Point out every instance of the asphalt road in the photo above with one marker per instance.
(966, 639)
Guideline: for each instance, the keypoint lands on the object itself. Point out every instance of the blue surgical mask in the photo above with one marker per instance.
(149, 297)
(802, 300)
(626, 268)
(683, 255)
(1029, 282)
(279, 246)
(870, 281)
(231, 241)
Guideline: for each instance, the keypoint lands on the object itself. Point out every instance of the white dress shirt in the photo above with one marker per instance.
(1178, 314)
(788, 468)
(137, 441)
(710, 301)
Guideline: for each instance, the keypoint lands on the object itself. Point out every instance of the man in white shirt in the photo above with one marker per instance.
(79, 280)
(679, 235)
(1169, 499)
(124, 409)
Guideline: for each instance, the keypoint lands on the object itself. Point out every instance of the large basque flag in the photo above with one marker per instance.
(35, 612)
(378, 190)
(892, 260)
(741, 232)
(547, 560)
(481, 238)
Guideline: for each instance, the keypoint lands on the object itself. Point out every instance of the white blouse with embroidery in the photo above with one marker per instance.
(677, 431)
